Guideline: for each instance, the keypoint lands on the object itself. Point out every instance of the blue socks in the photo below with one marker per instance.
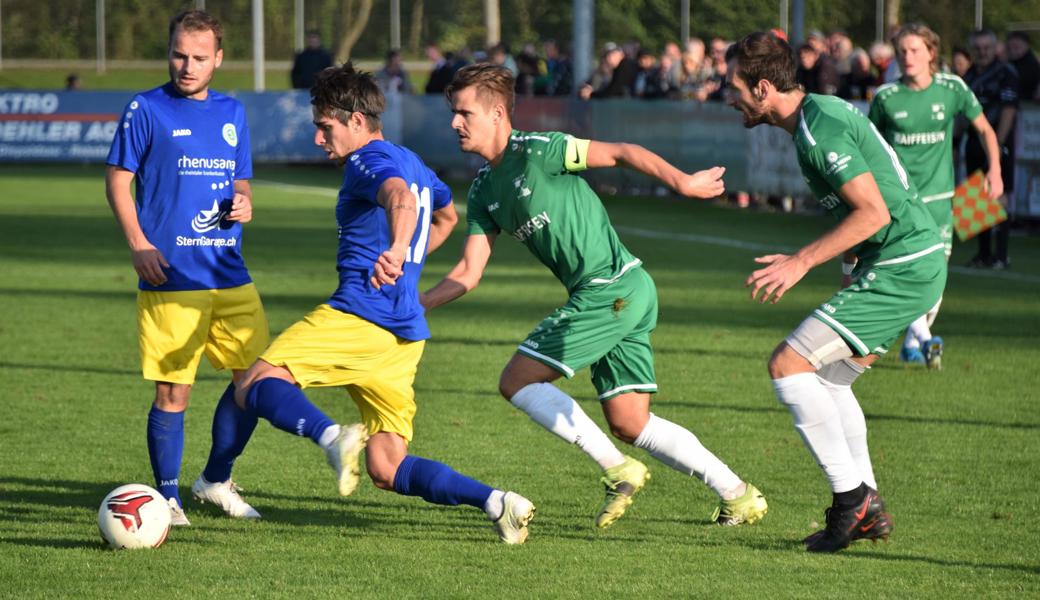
(232, 428)
(165, 449)
(438, 483)
(287, 408)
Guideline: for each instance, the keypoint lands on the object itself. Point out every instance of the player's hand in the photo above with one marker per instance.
(241, 209)
(782, 274)
(388, 268)
(702, 184)
(149, 264)
(994, 185)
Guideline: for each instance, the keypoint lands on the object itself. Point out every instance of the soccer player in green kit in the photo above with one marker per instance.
(916, 115)
(529, 190)
(901, 271)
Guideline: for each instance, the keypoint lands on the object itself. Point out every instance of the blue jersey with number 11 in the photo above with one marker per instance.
(364, 234)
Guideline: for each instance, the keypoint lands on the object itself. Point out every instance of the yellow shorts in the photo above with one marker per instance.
(333, 348)
(175, 328)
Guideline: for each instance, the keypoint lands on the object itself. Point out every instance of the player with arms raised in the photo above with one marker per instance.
(369, 336)
(529, 189)
(916, 115)
(858, 178)
(187, 150)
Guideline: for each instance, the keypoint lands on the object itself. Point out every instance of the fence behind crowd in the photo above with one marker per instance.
(45, 126)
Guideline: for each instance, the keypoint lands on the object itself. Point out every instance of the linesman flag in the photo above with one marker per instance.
(973, 211)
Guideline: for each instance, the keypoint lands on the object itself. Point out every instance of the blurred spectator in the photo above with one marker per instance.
(717, 53)
(1022, 58)
(695, 73)
(72, 82)
(559, 74)
(818, 41)
(649, 82)
(961, 61)
(499, 55)
(995, 84)
(859, 83)
(881, 59)
(392, 78)
(309, 62)
(529, 68)
(815, 74)
(613, 78)
(444, 68)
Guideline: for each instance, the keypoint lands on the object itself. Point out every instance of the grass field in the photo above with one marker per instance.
(956, 452)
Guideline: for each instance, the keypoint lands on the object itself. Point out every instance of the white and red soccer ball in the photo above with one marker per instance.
(134, 516)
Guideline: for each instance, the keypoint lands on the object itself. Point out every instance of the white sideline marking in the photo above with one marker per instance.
(678, 237)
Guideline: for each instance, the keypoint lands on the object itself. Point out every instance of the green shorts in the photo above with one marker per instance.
(942, 214)
(883, 300)
(607, 328)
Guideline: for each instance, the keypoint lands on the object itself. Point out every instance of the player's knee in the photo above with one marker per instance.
(777, 364)
(507, 386)
(381, 476)
(626, 432)
(172, 397)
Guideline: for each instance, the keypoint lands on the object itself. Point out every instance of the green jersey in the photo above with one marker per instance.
(919, 126)
(534, 195)
(836, 143)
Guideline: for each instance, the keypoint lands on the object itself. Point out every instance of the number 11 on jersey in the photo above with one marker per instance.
(417, 250)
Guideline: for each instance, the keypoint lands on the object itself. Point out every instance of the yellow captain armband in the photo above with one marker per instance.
(576, 155)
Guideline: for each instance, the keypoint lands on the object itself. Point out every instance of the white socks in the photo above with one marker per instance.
(560, 414)
(819, 423)
(855, 427)
(678, 448)
(495, 505)
(920, 330)
(328, 436)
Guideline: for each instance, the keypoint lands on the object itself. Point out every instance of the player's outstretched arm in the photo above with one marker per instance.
(868, 215)
(702, 184)
(465, 275)
(400, 205)
(442, 221)
(148, 261)
(994, 180)
(242, 203)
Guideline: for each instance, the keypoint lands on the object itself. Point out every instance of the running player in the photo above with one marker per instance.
(900, 274)
(916, 116)
(369, 335)
(187, 150)
(529, 189)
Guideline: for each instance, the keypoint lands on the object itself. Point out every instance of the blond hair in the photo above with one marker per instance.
(929, 37)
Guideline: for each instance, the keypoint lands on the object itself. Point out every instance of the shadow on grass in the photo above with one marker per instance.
(51, 367)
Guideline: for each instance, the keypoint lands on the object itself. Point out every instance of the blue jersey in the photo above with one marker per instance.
(186, 155)
(364, 234)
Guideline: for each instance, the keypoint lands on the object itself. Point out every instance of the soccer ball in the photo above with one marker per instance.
(134, 516)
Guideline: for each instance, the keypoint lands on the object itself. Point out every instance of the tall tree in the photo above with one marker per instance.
(353, 24)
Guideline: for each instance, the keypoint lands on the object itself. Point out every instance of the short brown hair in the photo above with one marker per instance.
(490, 81)
(762, 55)
(343, 90)
(197, 20)
(930, 38)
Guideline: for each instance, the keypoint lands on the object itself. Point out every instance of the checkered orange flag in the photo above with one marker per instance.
(973, 211)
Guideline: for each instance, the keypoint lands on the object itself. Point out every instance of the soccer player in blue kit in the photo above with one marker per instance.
(369, 336)
(186, 148)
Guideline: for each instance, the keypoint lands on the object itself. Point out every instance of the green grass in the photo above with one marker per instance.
(955, 452)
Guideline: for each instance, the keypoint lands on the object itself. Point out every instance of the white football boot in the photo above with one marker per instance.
(177, 518)
(344, 456)
(517, 512)
(225, 495)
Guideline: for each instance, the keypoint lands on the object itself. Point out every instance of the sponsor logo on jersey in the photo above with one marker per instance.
(493, 206)
(938, 111)
(176, 132)
(230, 134)
(193, 165)
(901, 115)
(535, 223)
(830, 201)
(207, 220)
(838, 162)
(917, 139)
(519, 184)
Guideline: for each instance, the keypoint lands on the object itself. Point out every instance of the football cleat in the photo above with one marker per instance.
(749, 508)
(517, 512)
(177, 518)
(622, 483)
(867, 520)
(344, 455)
(225, 495)
(933, 350)
(911, 355)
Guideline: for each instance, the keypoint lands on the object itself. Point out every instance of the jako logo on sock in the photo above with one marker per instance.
(166, 482)
(299, 427)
